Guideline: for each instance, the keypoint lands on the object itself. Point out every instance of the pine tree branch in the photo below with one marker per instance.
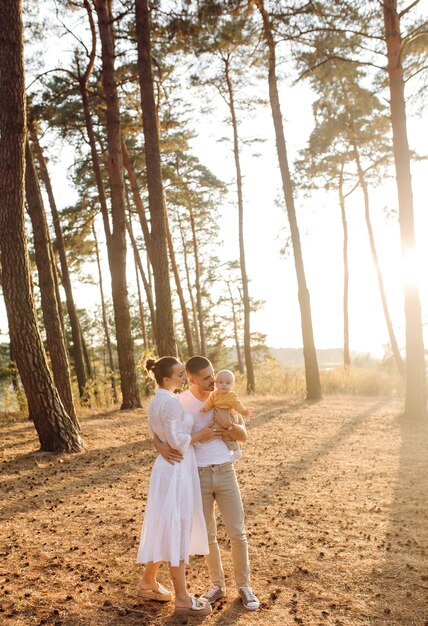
(68, 30)
(337, 58)
(335, 30)
(408, 8)
(55, 69)
(422, 69)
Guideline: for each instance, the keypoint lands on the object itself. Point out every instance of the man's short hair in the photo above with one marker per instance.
(197, 363)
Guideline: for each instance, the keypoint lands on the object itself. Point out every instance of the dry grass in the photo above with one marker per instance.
(376, 380)
(335, 496)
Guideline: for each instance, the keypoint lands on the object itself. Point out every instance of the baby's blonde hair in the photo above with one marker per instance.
(226, 372)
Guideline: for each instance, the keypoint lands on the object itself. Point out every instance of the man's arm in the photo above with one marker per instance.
(172, 455)
(169, 454)
(222, 418)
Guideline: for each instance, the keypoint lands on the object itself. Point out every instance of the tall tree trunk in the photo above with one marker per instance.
(251, 385)
(183, 304)
(50, 306)
(141, 309)
(363, 184)
(86, 356)
(235, 331)
(146, 284)
(144, 226)
(65, 274)
(57, 431)
(189, 287)
(125, 347)
(164, 313)
(55, 273)
(137, 198)
(105, 320)
(346, 351)
(138, 203)
(313, 384)
(198, 285)
(416, 394)
(83, 79)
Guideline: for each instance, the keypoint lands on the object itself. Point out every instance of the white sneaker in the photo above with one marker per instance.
(214, 593)
(249, 600)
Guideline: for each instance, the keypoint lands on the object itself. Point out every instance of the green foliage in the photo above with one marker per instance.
(348, 116)
(4, 361)
(11, 400)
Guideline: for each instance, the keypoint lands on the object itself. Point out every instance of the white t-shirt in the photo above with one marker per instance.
(212, 452)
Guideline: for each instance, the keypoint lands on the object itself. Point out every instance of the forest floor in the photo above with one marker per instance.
(336, 500)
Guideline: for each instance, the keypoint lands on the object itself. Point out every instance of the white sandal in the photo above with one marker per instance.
(197, 608)
(160, 594)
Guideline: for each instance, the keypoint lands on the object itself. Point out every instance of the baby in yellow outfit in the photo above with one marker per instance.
(223, 397)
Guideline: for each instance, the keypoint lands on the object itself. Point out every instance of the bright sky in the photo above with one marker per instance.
(272, 276)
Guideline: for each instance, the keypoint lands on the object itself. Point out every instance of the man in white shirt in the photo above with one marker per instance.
(218, 483)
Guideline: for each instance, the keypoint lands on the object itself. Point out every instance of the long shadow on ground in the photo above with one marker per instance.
(405, 547)
(31, 491)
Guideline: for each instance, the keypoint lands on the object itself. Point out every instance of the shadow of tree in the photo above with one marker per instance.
(55, 482)
(405, 546)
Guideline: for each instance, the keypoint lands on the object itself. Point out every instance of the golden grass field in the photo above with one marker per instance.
(336, 499)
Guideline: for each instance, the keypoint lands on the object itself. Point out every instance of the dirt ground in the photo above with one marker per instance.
(336, 499)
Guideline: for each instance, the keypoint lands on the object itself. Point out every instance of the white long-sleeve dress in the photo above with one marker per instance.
(174, 525)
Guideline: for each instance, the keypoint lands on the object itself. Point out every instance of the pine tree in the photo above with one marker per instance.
(128, 377)
(57, 431)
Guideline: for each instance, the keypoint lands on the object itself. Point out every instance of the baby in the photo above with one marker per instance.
(223, 397)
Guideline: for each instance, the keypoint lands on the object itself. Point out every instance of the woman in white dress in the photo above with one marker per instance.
(174, 524)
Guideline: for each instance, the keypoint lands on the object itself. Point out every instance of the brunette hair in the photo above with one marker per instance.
(162, 368)
(197, 363)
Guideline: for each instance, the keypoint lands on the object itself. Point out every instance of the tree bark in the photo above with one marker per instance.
(65, 274)
(313, 384)
(144, 226)
(138, 203)
(55, 272)
(137, 198)
(198, 285)
(189, 287)
(89, 367)
(50, 306)
(143, 325)
(83, 82)
(57, 431)
(146, 284)
(235, 331)
(251, 384)
(183, 305)
(362, 182)
(117, 247)
(105, 320)
(416, 393)
(346, 351)
(164, 313)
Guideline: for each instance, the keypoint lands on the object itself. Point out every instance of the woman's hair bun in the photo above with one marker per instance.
(150, 365)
